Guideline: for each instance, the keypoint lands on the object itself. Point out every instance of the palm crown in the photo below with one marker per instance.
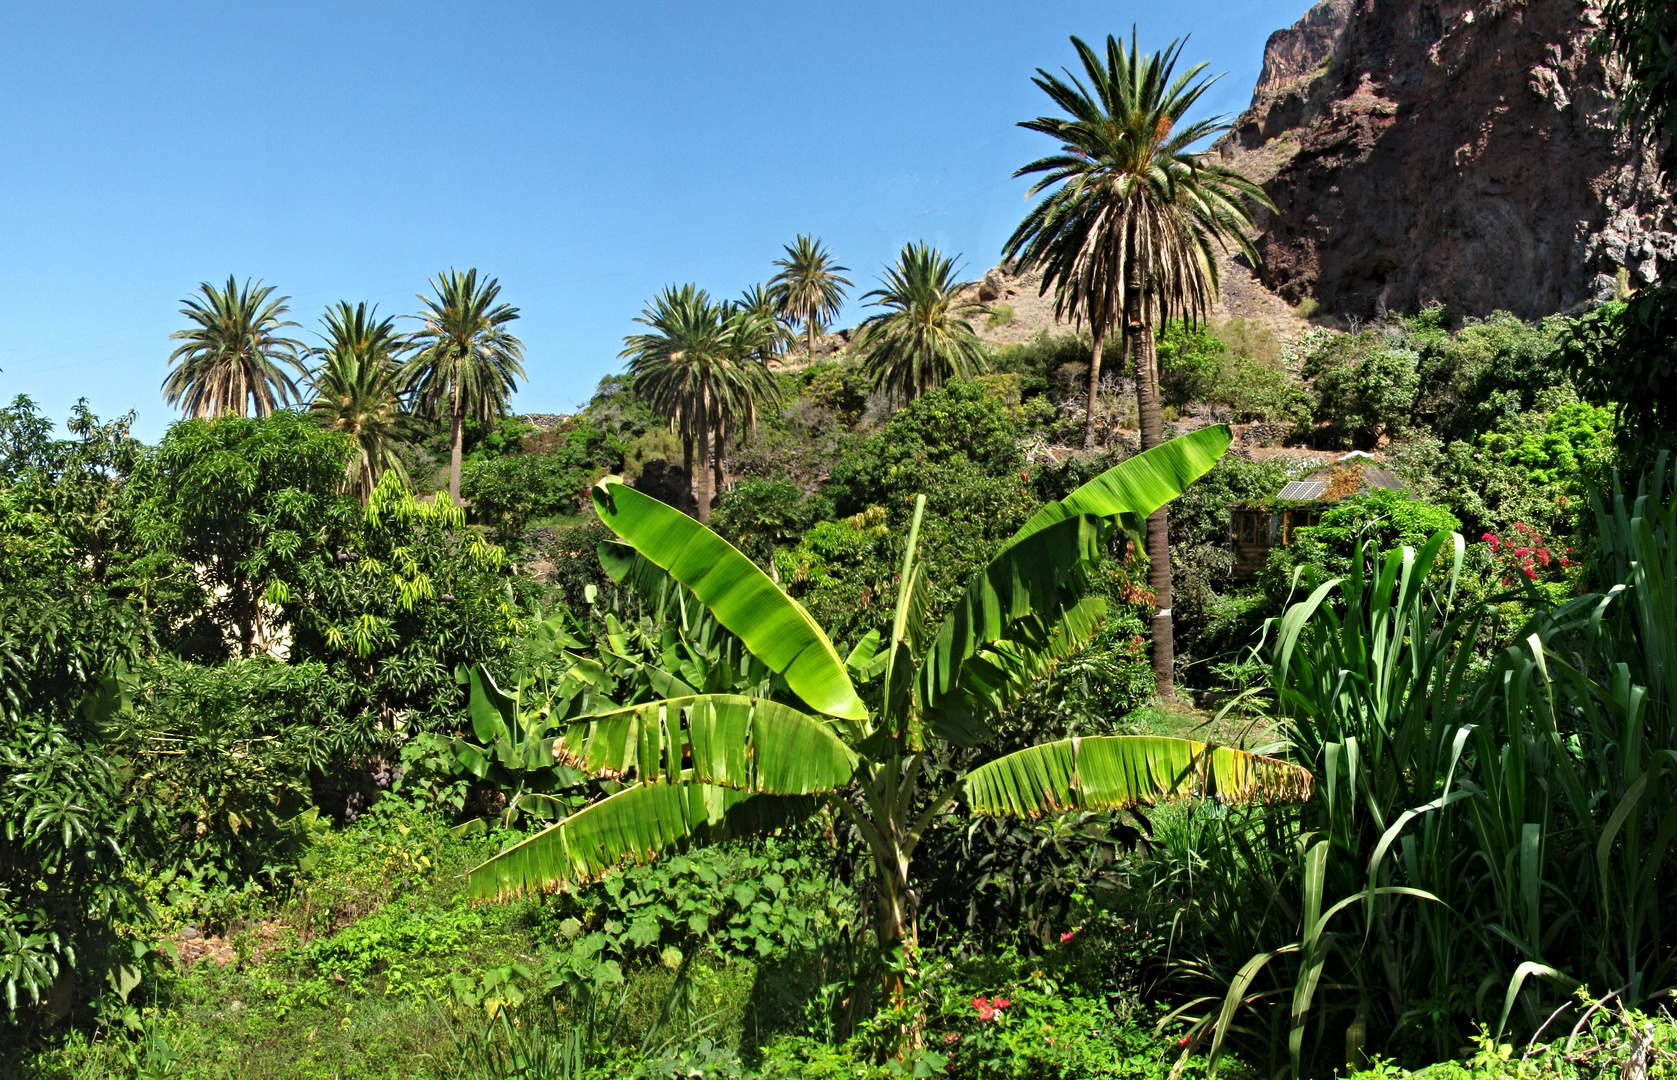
(809, 287)
(923, 338)
(1133, 206)
(466, 360)
(358, 391)
(231, 355)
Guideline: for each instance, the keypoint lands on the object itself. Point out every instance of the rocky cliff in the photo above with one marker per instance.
(1450, 151)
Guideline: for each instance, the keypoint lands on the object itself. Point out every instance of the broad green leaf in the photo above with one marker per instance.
(494, 714)
(773, 626)
(750, 744)
(638, 823)
(1113, 772)
(996, 676)
(1135, 487)
(1030, 577)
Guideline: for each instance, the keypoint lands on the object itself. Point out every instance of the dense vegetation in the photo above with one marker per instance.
(383, 733)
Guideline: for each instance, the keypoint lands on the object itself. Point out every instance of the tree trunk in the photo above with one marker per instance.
(456, 443)
(701, 475)
(1138, 330)
(811, 322)
(720, 449)
(1099, 332)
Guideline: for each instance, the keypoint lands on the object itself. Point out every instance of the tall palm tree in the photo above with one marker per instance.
(232, 353)
(750, 338)
(1128, 232)
(682, 368)
(923, 337)
(466, 359)
(809, 288)
(358, 391)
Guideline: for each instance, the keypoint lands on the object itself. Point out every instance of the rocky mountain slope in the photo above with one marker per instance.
(1458, 151)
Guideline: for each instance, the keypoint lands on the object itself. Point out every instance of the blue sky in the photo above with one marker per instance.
(586, 155)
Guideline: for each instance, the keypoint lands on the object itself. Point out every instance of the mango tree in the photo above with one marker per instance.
(702, 767)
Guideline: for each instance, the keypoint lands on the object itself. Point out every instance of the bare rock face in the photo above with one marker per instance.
(1448, 151)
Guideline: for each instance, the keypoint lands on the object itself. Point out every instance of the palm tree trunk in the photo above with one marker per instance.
(721, 448)
(1138, 330)
(456, 443)
(1099, 331)
(701, 476)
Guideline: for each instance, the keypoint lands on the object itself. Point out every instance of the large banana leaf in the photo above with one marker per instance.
(1112, 772)
(751, 744)
(772, 625)
(996, 676)
(638, 823)
(1029, 577)
(1135, 487)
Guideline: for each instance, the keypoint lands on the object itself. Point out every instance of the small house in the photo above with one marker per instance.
(1255, 528)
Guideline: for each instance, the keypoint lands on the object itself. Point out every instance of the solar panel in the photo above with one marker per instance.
(1303, 489)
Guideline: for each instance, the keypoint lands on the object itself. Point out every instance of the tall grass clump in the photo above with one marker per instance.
(1495, 804)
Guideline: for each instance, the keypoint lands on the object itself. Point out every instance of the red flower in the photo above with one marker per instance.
(1183, 1041)
(1565, 562)
(986, 1011)
(1001, 1003)
(1068, 935)
(1530, 573)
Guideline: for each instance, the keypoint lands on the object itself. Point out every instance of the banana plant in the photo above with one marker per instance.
(701, 767)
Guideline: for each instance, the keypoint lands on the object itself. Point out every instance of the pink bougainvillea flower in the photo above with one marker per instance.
(1001, 1003)
(1530, 573)
(1068, 935)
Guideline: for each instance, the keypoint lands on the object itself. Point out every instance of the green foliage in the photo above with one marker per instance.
(1364, 384)
(1385, 518)
(251, 502)
(507, 492)
(1560, 449)
(399, 604)
(64, 833)
(224, 755)
(1622, 353)
(765, 903)
(761, 516)
(1486, 374)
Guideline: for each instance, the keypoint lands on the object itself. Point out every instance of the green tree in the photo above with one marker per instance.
(1129, 232)
(923, 337)
(466, 360)
(705, 766)
(699, 365)
(231, 354)
(358, 391)
(809, 288)
(247, 502)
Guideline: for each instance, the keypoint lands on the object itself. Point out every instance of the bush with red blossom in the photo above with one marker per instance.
(1522, 555)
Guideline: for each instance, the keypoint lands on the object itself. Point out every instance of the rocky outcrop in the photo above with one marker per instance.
(1448, 151)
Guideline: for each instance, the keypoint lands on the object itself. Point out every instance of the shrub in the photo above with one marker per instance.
(1364, 384)
(1389, 518)
(761, 516)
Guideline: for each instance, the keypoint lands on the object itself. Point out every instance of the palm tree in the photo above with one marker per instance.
(232, 353)
(923, 338)
(466, 358)
(809, 288)
(681, 368)
(358, 391)
(701, 767)
(1128, 232)
(760, 301)
(750, 338)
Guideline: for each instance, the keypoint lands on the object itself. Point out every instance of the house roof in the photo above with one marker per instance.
(1355, 472)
